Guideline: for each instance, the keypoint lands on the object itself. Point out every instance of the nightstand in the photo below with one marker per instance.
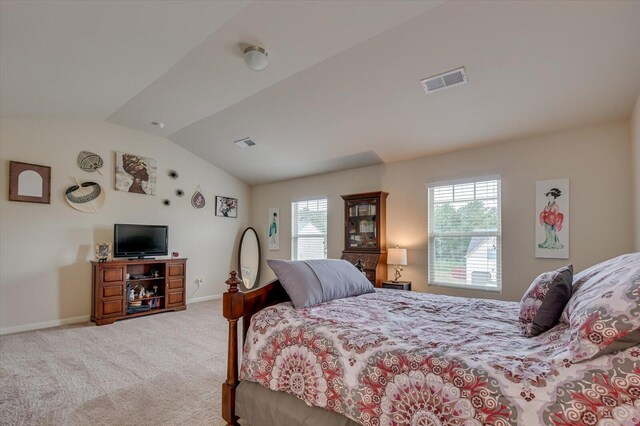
(399, 285)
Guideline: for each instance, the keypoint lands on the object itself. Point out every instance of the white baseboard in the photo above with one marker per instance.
(83, 318)
(45, 324)
(204, 298)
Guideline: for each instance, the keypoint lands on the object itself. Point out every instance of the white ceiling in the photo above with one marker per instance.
(85, 59)
(343, 86)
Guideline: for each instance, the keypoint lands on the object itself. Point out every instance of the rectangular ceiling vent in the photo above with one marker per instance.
(444, 80)
(245, 143)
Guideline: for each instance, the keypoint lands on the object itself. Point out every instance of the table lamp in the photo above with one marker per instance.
(397, 257)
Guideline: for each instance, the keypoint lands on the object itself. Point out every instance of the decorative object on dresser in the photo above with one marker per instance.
(397, 285)
(398, 258)
(29, 182)
(116, 296)
(365, 233)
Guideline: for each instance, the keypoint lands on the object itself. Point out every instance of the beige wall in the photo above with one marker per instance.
(44, 250)
(595, 159)
(635, 158)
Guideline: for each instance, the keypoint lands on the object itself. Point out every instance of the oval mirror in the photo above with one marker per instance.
(249, 259)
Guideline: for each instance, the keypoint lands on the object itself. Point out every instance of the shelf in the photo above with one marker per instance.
(145, 298)
(363, 216)
(144, 279)
(142, 313)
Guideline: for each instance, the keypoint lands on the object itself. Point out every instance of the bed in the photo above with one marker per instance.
(405, 358)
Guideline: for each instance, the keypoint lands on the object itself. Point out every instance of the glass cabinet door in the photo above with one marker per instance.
(362, 224)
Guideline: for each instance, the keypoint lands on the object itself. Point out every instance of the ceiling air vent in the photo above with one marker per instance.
(245, 143)
(444, 80)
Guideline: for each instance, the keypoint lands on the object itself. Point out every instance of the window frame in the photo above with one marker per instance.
(431, 235)
(295, 237)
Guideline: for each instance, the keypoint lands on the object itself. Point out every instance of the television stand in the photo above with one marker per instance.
(163, 282)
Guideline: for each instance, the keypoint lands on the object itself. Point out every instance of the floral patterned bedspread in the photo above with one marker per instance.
(405, 358)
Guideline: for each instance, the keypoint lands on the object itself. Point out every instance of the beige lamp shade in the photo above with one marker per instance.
(397, 256)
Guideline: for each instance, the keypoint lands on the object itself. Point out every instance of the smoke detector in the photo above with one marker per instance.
(244, 143)
(444, 80)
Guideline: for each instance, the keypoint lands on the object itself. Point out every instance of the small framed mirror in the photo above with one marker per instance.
(249, 259)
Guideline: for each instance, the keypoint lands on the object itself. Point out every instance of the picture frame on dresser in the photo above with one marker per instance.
(103, 252)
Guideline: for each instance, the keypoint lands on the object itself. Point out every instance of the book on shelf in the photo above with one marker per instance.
(366, 226)
(363, 210)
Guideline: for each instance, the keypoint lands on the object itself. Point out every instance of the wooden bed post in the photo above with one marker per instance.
(232, 309)
(235, 305)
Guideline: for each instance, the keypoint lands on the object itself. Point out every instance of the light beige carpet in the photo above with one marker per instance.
(165, 369)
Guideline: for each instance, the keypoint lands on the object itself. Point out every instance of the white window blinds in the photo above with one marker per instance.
(309, 229)
(465, 234)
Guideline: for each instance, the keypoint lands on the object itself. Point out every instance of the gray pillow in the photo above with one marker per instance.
(311, 282)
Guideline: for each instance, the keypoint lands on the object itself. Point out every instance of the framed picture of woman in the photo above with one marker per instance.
(552, 218)
(274, 228)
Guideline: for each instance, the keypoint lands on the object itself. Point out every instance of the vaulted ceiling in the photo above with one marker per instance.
(342, 88)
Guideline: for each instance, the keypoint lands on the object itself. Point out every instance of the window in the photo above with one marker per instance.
(465, 234)
(309, 229)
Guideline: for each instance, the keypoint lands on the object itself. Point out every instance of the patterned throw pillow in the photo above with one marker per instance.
(584, 276)
(542, 304)
(604, 311)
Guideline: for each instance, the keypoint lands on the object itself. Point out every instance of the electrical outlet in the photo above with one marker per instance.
(199, 281)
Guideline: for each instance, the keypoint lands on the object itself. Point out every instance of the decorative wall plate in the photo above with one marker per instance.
(87, 197)
(197, 200)
(90, 161)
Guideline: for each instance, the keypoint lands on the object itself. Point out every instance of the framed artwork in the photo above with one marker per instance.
(274, 228)
(136, 174)
(552, 219)
(226, 206)
(30, 183)
(197, 199)
(103, 252)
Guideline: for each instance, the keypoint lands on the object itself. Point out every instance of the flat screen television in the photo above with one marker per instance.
(140, 240)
